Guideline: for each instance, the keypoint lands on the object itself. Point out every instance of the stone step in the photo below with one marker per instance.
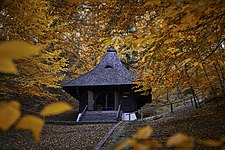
(100, 112)
(99, 116)
(98, 121)
(96, 114)
(106, 112)
(85, 116)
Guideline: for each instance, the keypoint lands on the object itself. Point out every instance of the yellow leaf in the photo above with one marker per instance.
(147, 55)
(135, 44)
(143, 58)
(15, 49)
(126, 143)
(211, 143)
(115, 43)
(108, 43)
(143, 133)
(173, 50)
(201, 66)
(152, 48)
(32, 123)
(152, 2)
(221, 62)
(187, 60)
(56, 108)
(180, 141)
(170, 41)
(192, 37)
(195, 64)
(150, 40)
(172, 11)
(147, 4)
(211, 63)
(7, 65)
(9, 114)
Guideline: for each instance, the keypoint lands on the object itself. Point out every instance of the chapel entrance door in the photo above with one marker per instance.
(105, 101)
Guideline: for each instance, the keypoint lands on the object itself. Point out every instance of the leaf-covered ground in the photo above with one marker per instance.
(207, 122)
(204, 123)
(77, 137)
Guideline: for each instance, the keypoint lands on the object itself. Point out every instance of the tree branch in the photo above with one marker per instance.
(214, 49)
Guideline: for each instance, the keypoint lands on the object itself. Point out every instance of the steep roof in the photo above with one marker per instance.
(110, 71)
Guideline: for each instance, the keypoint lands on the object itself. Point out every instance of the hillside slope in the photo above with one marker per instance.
(207, 122)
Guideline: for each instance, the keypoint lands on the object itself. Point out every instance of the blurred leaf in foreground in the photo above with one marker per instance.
(9, 114)
(14, 49)
(180, 141)
(56, 108)
(143, 133)
(32, 123)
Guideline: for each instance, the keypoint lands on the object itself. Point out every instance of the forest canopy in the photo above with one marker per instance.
(172, 45)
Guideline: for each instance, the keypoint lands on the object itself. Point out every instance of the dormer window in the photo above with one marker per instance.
(108, 66)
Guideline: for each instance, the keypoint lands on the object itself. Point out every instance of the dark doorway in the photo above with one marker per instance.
(105, 101)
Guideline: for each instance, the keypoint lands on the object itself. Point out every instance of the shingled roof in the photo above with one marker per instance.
(110, 71)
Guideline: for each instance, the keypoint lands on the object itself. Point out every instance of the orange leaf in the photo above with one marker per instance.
(153, 30)
(32, 123)
(179, 141)
(126, 143)
(15, 49)
(56, 108)
(211, 143)
(7, 65)
(143, 133)
(152, 143)
(9, 114)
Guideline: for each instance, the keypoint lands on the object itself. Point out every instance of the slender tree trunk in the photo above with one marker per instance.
(220, 72)
(220, 80)
(194, 97)
(204, 69)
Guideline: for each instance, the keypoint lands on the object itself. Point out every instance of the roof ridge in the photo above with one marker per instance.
(116, 74)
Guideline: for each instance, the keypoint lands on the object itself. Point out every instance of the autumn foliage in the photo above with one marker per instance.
(10, 112)
(173, 45)
(180, 45)
(168, 43)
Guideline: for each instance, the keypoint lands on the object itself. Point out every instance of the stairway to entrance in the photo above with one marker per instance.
(99, 117)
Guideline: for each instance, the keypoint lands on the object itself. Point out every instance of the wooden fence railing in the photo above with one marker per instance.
(85, 109)
(118, 114)
(154, 108)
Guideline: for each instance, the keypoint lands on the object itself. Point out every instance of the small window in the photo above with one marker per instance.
(108, 66)
(125, 95)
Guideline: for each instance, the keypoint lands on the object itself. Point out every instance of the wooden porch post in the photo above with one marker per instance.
(90, 100)
(116, 100)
